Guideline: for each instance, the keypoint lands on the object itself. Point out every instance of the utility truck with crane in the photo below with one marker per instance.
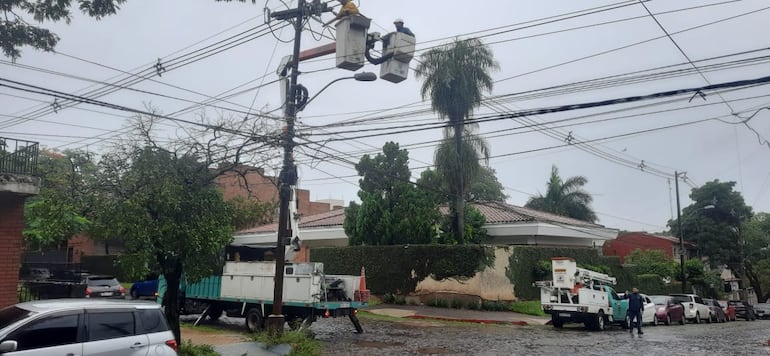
(579, 295)
(245, 287)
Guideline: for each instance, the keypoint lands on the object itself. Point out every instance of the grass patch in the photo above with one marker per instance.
(531, 307)
(302, 342)
(188, 349)
(206, 328)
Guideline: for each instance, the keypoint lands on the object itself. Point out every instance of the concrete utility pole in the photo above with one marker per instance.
(288, 175)
(681, 234)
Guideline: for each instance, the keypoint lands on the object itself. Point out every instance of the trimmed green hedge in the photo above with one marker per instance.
(397, 269)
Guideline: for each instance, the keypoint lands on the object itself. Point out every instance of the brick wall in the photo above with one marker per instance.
(255, 186)
(624, 244)
(11, 225)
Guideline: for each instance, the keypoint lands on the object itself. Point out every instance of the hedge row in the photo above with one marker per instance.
(398, 269)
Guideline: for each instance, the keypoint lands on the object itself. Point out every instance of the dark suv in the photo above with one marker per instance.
(743, 310)
(103, 287)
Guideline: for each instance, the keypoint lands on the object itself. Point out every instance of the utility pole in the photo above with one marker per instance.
(681, 234)
(288, 175)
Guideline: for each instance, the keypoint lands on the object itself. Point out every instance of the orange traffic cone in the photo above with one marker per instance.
(363, 279)
(362, 294)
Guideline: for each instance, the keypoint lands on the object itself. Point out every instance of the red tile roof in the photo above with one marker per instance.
(495, 212)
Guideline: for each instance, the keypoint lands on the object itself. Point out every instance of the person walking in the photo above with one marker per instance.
(635, 308)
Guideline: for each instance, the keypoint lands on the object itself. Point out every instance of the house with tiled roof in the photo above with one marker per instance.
(507, 225)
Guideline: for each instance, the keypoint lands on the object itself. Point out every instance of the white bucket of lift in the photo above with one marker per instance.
(351, 41)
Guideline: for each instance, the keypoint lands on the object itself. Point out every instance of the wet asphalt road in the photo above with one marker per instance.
(423, 337)
(436, 338)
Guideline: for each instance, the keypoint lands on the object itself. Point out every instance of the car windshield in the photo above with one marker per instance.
(659, 299)
(102, 281)
(681, 299)
(11, 315)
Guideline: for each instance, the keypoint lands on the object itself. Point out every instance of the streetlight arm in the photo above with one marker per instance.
(361, 77)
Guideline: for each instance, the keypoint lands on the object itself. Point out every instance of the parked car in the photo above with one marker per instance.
(728, 309)
(694, 308)
(743, 310)
(85, 327)
(716, 315)
(648, 313)
(762, 310)
(667, 310)
(103, 287)
(144, 288)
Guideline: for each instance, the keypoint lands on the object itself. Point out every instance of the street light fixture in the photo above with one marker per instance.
(360, 77)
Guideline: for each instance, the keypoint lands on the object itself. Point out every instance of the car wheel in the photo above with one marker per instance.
(668, 319)
(599, 324)
(655, 320)
(682, 320)
(134, 294)
(557, 323)
(697, 318)
(709, 320)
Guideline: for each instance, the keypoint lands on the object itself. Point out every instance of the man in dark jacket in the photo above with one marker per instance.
(635, 308)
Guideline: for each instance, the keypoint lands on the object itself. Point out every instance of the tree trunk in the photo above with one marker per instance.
(460, 198)
(753, 280)
(171, 300)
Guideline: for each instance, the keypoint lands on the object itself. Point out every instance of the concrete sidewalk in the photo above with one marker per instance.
(459, 315)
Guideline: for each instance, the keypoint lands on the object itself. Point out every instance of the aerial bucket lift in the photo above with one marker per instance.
(351, 41)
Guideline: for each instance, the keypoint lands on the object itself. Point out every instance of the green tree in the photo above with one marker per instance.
(392, 210)
(565, 198)
(756, 234)
(652, 262)
(16, 32)
(485, 187)
(474, 228)
(714, 222)
(66, 202)
(251, 213)
(168, 212)
(455, 77)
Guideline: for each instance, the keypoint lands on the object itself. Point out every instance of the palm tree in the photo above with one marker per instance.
(565, 198)
(455, 76)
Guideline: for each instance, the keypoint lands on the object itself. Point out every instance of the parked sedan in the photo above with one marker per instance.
(717, 315)
(667, 310)
(762, 310)
(743, 310)
(728, 309)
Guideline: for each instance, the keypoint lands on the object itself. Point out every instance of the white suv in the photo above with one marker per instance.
(85, 327)
(695, 309)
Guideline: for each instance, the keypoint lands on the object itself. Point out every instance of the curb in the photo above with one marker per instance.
(475, 321)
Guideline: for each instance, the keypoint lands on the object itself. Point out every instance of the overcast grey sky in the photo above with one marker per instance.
(537, 47)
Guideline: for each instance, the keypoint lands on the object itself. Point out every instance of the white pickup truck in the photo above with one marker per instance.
(578, 295)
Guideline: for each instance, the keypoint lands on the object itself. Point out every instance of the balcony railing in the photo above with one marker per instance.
(18, 156)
